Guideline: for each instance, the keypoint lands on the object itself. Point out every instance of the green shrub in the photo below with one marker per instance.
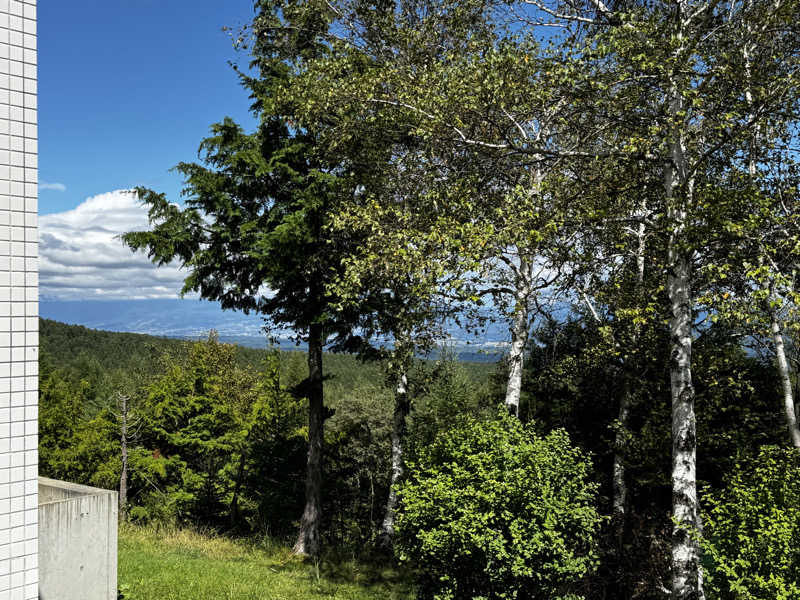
(752, 530)
(491, 510)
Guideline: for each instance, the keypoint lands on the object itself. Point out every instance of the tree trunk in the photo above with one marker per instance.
(519, 339)
(620, 499)
(786, 382)
(777, 336)
(401, 409)
(308, 539)
(620, 486)
(685, 549)
(123, 476)
(686, 571)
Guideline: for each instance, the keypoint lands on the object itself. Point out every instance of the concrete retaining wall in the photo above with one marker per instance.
(77, 542)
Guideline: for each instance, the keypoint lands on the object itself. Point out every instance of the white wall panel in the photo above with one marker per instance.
(19, 324)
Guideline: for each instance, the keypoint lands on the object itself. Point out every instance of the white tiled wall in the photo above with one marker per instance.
(19, 322)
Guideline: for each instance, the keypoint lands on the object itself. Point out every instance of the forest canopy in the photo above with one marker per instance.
(615, 183)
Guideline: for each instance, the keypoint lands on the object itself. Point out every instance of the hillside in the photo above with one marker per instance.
(214, 423)
(190, 319)
(84, 351)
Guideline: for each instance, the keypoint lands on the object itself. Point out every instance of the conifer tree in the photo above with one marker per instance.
(253, 235)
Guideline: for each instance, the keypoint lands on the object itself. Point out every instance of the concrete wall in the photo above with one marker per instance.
(19, 366)
(53, 490)
(77, 542)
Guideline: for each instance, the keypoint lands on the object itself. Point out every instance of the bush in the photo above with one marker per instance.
(491, 511)
(752, 530)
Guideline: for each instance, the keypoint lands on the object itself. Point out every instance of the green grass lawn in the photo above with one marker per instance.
(185, 565)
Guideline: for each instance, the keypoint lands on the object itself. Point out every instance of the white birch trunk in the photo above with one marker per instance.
(686, 569)
(520, 320)
(401, 409)
(685, 549)
(516, 353)
(786, 382)
(775, 327)
(620, 486)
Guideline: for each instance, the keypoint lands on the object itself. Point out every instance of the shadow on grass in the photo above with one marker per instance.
(377, 571)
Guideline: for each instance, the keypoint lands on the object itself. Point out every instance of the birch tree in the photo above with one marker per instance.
(403, 288)
(503, 218)
(752, 289)
(651, 83)
(706, 113)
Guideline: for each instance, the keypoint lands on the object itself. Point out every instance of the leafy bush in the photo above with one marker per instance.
(491, 511)
(752, 530)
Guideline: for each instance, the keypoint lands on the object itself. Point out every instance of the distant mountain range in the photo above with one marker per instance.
(193, 319)
(170, 318)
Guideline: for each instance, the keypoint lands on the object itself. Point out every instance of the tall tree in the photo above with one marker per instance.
(654, 84)
(700, 119)
(490, 201)
(253, 235)
(403, 289)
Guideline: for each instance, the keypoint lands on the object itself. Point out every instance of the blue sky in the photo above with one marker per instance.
(127, 89)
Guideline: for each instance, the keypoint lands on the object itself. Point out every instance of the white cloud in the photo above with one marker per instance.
(82, 257)
(56, 187)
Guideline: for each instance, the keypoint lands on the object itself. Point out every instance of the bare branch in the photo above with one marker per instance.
(566, 16)
(588, 303)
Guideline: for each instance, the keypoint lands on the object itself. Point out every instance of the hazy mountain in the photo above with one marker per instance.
(172, 318)
(193, 319)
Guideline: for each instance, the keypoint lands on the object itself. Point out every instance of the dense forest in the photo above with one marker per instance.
(617, 184)
(216, 434)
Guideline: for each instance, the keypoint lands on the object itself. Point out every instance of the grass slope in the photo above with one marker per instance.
(185, 565)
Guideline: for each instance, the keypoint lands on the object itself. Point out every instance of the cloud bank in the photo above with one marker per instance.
(81, 256)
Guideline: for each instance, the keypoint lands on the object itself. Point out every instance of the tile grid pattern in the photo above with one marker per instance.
(19, 322)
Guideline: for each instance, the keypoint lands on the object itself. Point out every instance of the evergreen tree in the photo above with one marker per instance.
(253, 235)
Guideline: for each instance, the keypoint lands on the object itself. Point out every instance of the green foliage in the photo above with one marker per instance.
(193, 439)
(205, 420)
(751, 530)
(357, 461)
(737, 403)
(90, 352)
(492, 510)
(61, 406)
(81, 354)
(444, 392)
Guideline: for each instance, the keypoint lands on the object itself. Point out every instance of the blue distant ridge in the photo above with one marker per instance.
(193, 319)
(171, 318)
